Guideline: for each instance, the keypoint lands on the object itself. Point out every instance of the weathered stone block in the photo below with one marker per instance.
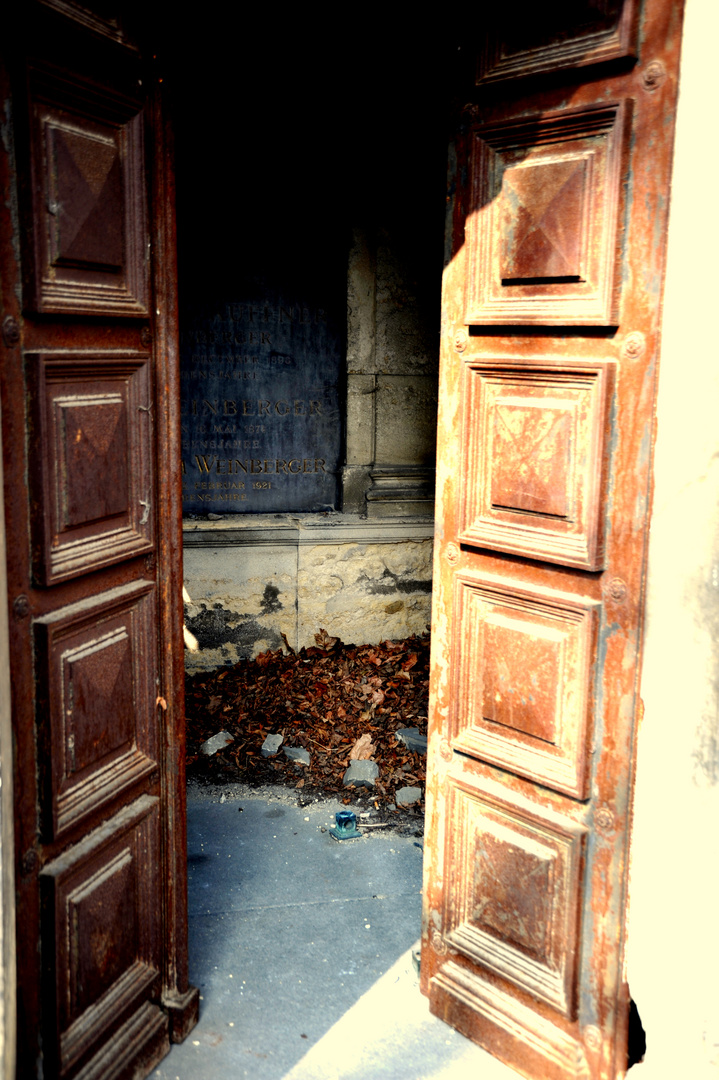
(412, 739)
(361, 774)
(408, 796)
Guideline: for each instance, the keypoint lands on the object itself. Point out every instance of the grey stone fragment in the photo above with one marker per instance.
(271, 745)
(412, 739)
(212, 745)
(406, 796)
(361, 773)
(296, 753)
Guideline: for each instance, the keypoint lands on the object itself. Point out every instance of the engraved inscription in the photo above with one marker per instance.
(260, 407)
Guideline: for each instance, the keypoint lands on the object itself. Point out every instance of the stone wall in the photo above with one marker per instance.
(392, 355)
(255, 578)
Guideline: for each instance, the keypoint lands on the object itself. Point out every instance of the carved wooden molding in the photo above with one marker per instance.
(92, 462)
(523, 684)
(110, 25)
(535, 458)
(543, 225)
(558, 37)
(509, 1026)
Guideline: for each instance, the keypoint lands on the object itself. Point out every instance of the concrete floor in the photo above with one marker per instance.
(301, 948)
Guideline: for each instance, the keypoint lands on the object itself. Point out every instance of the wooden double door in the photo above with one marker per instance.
(89, 418)
(557, 211)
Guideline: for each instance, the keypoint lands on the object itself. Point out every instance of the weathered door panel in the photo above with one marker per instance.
(550, 331)
(89, 384)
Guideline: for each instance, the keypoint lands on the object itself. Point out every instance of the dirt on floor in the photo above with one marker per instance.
(333, 700)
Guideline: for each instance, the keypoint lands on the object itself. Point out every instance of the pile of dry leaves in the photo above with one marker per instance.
(334, 700)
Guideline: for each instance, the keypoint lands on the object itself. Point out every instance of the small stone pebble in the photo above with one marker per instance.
(217, 742)
(271, 745)
(407, 796)
(362, 773)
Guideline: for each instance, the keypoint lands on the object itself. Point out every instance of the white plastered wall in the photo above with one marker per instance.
(673, 944)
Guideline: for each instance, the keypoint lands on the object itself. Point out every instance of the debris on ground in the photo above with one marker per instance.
(346, 706)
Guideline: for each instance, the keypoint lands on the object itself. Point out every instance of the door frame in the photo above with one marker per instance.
(7, 845)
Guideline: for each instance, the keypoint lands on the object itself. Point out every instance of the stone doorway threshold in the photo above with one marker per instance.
(302, 949)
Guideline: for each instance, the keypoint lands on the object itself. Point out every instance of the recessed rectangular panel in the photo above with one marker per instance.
(535, 454)
(557, 36)
(93, 462)
(543, 223)
(521, 686)
(523, 697)
(538, 485)
(514, 899)
(105, 926)
(97, 701)
(88, 209)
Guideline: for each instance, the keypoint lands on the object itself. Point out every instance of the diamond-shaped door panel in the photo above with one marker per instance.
(542, 232)
(88, 240)
(523, 696)
(93, 462)
(543, 208)
(96, 702)
(514, 898)
(104, 930)
(535, 458)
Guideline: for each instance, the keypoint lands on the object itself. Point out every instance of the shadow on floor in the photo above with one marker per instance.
(289, 929)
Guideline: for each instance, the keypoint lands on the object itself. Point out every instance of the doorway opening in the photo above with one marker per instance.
(310, 218)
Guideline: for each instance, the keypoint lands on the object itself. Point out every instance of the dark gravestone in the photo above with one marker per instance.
(261, 425)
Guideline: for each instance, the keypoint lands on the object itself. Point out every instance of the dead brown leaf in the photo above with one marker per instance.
(323, 698)
(363, 749)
